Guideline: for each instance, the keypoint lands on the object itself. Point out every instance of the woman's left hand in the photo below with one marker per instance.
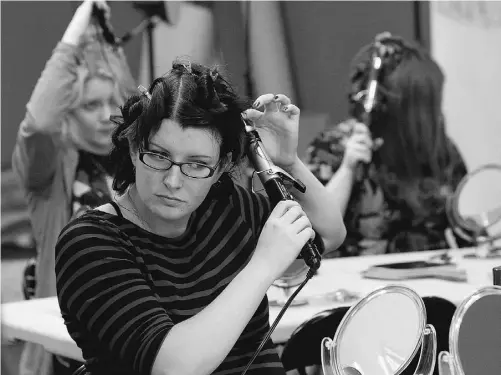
(277, 126)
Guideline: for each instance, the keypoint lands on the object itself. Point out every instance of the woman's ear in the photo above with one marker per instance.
(226, 163)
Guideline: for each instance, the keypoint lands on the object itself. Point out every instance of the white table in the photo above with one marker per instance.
(40, 321)
(346, 273)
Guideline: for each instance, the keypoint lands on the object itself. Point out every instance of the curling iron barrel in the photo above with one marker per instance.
(273, 182)
(369, 95)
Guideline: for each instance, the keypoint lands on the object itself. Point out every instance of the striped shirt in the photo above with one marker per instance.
(122, 288)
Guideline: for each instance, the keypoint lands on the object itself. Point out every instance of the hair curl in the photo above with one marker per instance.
(192, 95)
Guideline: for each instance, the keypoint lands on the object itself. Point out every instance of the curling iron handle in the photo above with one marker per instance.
(362, 168)
(277, 191)
(108, 34)
(361, 171)
(311, 256)
(496, 274)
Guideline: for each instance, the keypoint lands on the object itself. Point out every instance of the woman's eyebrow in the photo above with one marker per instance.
(157, 146)
(199, 156)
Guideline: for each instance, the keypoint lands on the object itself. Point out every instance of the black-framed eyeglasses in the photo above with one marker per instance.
(161, 162)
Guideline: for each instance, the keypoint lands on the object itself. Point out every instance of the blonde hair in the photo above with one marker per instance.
(100, 60)
(83, 76)
(97, 59)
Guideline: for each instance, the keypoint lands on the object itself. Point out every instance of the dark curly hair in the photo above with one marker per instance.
(192, 95)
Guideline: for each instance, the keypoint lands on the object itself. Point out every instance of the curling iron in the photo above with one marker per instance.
(109, 35)
(272, 180)
(105, 25)
(369, 95)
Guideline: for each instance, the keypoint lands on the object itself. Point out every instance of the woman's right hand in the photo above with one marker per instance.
(283, 236)
(359, 147)
(81, 20)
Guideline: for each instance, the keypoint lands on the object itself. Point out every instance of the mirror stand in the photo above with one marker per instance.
(426, 362)
(328, 361)
(291, 278)
(446, 364)
(486, 248)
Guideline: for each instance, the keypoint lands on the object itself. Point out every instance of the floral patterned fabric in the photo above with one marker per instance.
(92, 185)
(378, 220)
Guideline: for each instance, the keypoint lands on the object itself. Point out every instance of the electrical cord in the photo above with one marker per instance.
(309, 275)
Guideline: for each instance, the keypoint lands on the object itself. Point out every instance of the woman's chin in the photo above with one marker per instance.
(170, 213)
(103, 144)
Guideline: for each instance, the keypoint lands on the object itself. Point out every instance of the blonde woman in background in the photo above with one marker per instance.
(59, 157)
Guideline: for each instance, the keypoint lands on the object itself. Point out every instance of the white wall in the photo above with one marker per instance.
(466, 41)
(192, 36)
(269, 61)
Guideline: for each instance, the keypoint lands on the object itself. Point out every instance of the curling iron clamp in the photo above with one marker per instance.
(368, 97)
(273, 180)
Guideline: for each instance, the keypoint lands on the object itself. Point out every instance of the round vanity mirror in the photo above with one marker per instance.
(292, 277)
(380, 335)
(474, 210)
(475, 336)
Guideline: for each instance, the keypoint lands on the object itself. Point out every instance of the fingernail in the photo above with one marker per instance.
(256, 104)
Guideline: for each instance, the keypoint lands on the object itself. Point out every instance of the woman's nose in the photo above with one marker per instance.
(173, 177)
(106, 112)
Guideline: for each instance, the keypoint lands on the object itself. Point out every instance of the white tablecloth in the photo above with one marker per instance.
(40, 320)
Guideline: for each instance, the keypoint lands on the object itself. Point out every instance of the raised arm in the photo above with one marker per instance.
(278, 128)
(320, 206)
(38, 140)
(39, 136)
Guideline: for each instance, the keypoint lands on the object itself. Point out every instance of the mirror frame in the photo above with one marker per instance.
(457, 320)
(452, 208)
(286, 283)
(293, 280)
(424, 328)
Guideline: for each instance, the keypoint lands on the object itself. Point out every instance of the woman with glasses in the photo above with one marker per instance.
(171, 277)
(59, 156)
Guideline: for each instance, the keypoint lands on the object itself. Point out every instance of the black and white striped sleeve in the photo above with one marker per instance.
(256, 208)
(101, 286)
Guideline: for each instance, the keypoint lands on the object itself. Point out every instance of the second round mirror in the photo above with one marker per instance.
(380, 335)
